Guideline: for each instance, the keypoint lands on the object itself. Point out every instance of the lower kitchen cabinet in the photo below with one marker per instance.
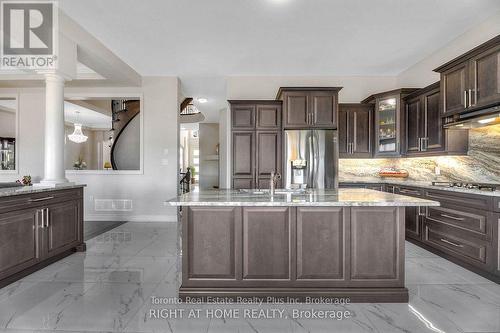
(36, 229)
(413, 215)
(61, 235)
(19, 240)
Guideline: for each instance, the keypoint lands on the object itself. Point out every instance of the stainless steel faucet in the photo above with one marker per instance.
(272, 181)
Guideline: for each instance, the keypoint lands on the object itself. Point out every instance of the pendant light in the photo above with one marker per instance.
(77, 136)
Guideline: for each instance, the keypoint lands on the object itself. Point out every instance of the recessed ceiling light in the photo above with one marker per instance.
(202, 100)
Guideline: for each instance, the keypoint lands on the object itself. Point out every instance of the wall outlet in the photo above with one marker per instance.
(164, 161)
(437, 171)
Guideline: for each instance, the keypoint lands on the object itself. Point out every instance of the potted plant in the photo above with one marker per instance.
(80, 164)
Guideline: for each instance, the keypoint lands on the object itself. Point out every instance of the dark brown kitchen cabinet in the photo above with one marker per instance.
(309, 107)
(485, 77)
(243, 153)
(256, 151)
(389, 117)
(321, 234)
(454, 84)
(463, 229)
(268, 156)
(19, 238)
(471, 81)
(269, 116)
(355, 130)
(262, 249)
(425, 134)
(413, 215)
(243, 116)
(38, 228)
(61, 235)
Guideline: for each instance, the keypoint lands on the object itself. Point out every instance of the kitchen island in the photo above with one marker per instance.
(319, 243)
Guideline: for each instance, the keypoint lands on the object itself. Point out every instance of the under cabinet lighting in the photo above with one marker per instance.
(487, 120)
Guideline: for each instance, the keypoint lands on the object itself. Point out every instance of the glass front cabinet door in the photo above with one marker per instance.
(387, 124)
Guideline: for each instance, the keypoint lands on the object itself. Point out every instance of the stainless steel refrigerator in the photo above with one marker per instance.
(311, 159)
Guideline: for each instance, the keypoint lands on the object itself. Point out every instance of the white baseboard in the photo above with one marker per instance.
(131, 218)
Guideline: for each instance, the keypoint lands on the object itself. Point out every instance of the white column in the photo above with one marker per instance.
(54, 173)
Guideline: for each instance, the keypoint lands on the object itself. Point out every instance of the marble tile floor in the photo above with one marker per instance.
(109, 289)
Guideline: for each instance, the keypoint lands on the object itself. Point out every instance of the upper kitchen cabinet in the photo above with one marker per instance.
(389, 121)
(355, 129)
(425, 134)
(309, 107)
(255, 114)
(471, 81)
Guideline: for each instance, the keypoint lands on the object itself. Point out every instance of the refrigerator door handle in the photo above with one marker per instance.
(311, 161)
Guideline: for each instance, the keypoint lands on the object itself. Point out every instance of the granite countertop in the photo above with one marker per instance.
(344, 197)
(423, 184)
(10, 191)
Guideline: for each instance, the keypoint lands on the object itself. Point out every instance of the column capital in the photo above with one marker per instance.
(55, 76)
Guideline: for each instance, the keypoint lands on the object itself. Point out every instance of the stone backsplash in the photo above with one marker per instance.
(482, 164)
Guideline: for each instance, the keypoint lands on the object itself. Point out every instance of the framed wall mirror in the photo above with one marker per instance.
(9, 115)
(103, 134)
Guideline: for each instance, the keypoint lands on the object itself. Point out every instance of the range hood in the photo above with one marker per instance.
(474, 119)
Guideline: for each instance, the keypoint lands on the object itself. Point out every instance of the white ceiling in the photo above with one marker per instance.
(203, 41)
(74, 113)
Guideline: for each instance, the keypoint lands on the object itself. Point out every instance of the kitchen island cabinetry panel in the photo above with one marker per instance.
(376, 244)
(212, 238)
(346, 243)
(321, 243)
(266, 243)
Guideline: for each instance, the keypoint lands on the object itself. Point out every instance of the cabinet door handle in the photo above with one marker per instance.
(419, 144)
(42, 212)
(37, 236)
(444, 240)
(470, 97)
(409, 192)
(46, 217)
(40, 199)
(453, 217)
(465, 99)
